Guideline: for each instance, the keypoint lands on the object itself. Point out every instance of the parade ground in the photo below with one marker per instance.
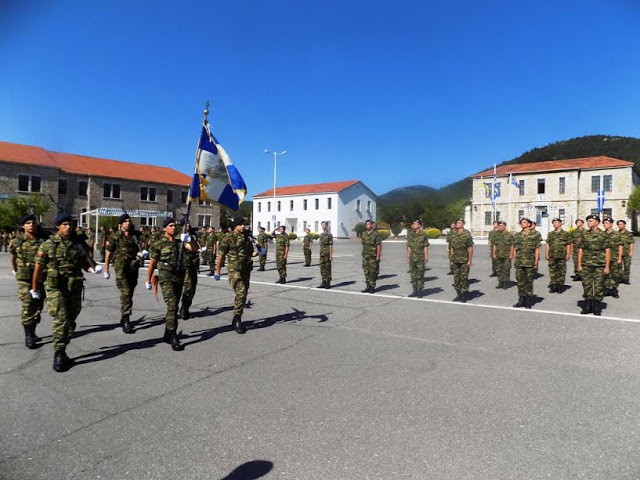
(330, 384)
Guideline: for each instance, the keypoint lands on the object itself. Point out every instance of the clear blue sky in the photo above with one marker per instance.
(392, 93)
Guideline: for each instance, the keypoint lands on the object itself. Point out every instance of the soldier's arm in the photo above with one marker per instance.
(512, 253)
(537, 255)
(37, 273)
(470, 250)
(152, 266)
(620, 250)
(426, 254)
(331, 252)
(378, 252)
(107, 258)
(13, 261)
(568, 252)
(607, 261)
(408, 252)
(580, 251)
(286, 251)
(631, 249)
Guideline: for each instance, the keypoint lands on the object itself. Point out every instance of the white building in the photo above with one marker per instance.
(566, 189)
(342, 204)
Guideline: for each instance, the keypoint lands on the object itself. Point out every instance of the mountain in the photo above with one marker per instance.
(407, 194)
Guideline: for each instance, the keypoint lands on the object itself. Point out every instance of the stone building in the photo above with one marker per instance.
(541, 191)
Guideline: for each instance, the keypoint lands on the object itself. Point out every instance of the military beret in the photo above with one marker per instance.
(62, 217)
(502, 222)
(27, 218)
(418, 221)
(237, 221)
(608, 219)
(621, 221)
(462, 220)
(123, 218)
(167, 221)
(556, 220)
(368, 220)
(579, 220)
(594, 217)
(525, 219)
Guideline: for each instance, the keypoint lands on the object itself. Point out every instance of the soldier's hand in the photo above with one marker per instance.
(13, 272)
(96, 270)
(145, 254)
(107, 275)
(203, 249)
(607, 270)
(216, 277)
(148, 286)
(185, 237)
(34, 294)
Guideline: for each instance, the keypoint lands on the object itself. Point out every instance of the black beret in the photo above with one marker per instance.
(621, 221)
(595, 217)
(556, 220)
(608, 219)
(461, 220)
(167, 221)
(418, 221)
(27, 218)
(502, 222)
(62, 217)
(525, 219)
(237, 221)
(123, 218)
(368, 221)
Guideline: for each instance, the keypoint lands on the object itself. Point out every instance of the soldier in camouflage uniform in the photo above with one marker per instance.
(375, 227)
(491, 239)
(557, 253)
(452, 229)
(461, 247)
(263, 242)
(525, 253)
(282, 252)
(23, 249)
(371, 251)
(211, 249)
(502, 254)
(326, 255)
(63, 262)
(576, 236)
(417, 256)
(594, 263)
(612, 280)
(238, 248)
(306, 247)
(191, 265)
(627, 251)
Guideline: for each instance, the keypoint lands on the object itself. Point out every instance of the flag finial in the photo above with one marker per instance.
(206, 112)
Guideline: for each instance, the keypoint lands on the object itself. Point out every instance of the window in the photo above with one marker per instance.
(606, 212)
(595, 183)
(62, 186)
(358, 206)
(304, 204)
(498, 216)
(204, 220)
(259, 207)
(488, 218)
(278, 224)
(83, 218)
(148, 194)
(317, 203)
(607, 182)
(268, 206)
(520, 187)
(487, 190)
(279, 203)
(268, 226)
(110, 190)
(369, 206)
(561, 214)
(259, 224)
(290, 205)
(540, 185)
(520, 213)
(29, 183)
(328, 203)
(83, 185)
(184, 196)
(316, 224)
(561, 185)
(169, 196)
(304, 225)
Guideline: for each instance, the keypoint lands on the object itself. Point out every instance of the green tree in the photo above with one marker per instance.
(359, 228)
(633, 206)
(12, 209)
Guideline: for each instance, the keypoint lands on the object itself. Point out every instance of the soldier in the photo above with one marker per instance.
(576, 236)
(594, 262)
(461, 247)
(491, 237)
(91, 241)
(191, 265)
(612, 280)
(282, 252)
(263, 242)
(211, 249)
(557, 253)
(306, 247)
(375, 227)
(452, 228)
(63, 262)
(238, 248)
(371, 251)
(326, 255)
(502, 254)
(122, 249)
(23, 249)
(4, 240)
(525, 253)
(102, 240)
(627, 251)
(417, 256)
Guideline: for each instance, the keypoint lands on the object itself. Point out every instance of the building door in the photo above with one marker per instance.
(542, 221)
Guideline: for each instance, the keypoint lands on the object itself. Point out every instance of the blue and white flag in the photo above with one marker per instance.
(514, 182)
(495, 190)
(600, 199)
(216, 178)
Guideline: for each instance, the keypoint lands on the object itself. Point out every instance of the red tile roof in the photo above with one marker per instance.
(331, 187)
(588, 163)
(83, 165)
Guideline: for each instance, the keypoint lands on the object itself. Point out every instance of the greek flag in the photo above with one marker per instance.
(600, 200)
(495, 193)
(514, 182)
(216, 178)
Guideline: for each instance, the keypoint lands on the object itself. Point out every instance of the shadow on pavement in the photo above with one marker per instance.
(250, 470)
(386, 287)
(342, 284)
(106, 353)
(431, 291)
(428, 279)
(390, 275)
(294, 316)
(474, 294)
(300, 279)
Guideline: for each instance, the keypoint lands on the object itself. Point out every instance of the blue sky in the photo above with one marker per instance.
(391, 93)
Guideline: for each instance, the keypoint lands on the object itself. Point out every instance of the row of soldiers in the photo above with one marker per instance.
(5, 239)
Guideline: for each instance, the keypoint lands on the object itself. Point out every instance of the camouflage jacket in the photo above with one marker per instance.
(262, 239)
(306, 242)
(594, 246)
(326, 239)
(627, 241)
(459, 246)
(61, 259)
(165, 252)
(370, 242)
(125, 248)
(239, 250)
(615, 240)
(282, 241)
(25, 250)
(575, 237)
(416, 243)
(492, 236)
(211, 241)
(525, 246)
(557, 243)
(503, 241)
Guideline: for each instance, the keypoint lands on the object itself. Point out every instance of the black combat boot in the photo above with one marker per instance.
(414, 293)
(607, 292)
(323, 284)
(283, 280)
(126, 324)
(261, 269)
(597, 307)
(29, 340)
(58, 362)
(185, 313)
(33, 331)
(587, 306)
(458, 296)
(578, 277)
(553, 288)
(528, 302)
(279, 280)
(493, 274)
(372, 289)
(67, 361)
(237, 325)
(419, 294)
(176, 346)
(366, 290)
(463, 296)
(327, 285)
(614, 293)
(520, 303)
(167, 336)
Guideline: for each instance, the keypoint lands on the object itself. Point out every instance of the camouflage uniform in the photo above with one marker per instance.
(612, 280)
(5, 241)
(326, 239)
(170, 277)
(210, 244)
(627, 241)
(124, 248)
(239, 250)
(306, 249)
(263, 242)
(459, 248)
(525, 246)
(593, 246)
(416, 243)
(25, 249)
(575, 237)
(494, 262)
(557, 244)
(191, 266)
(449, 234)
(282, 242)
(503, 241)
(370, 241)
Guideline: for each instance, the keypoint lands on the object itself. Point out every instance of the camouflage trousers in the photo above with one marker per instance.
(263, 260)
(189, 286)
(281, 263)
(626, 269)
(211, 261)
(503, 269)
(461, 276)
(613, 279)
(171, 292)
(593, 282)
(126, 283)
(494, 266)
(370, 267)
(377, 269)
(240, 283)
(524, 277)
(325, 268)
(30, 310)
(64, 304)
(416, 269)
(557, 270)
(574, 255)
(307, 256)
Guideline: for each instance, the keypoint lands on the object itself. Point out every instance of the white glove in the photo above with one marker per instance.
(96, 270)
(185, 237)
(203, 249)
(148, 286)
(107, 275)
(145, 254)
(216, 277)
(34, 294)
(13, 272)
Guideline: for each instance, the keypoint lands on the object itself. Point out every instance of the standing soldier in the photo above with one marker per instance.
(525, 253)
(375, 227)
(211, 249)
(123, 245)
(239, 250)
(91, 241)
(23, 249)
(627, 251)
(594, 263)
(417, 256)
(102, 240)
(191, 265)
(557, 253)
(612, 280)
(62, 261)
(502, 254)
(263, 242)
(326, 255)
(452, 228)
(491, 238)
(461, 247)
(306, 247)
(282, 252)
(576, 236)
(371, 251)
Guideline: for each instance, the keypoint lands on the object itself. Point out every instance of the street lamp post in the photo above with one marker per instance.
(275, 161)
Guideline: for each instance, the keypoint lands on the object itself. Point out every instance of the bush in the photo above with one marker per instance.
(384, 233)
(433, 233)
(396, 229)
(314, 235)
(292, 236)
(360, 228)
(571, 229)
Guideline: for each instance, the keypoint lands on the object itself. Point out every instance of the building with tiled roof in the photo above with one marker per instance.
(541, 191)
(81, 184)
(342, 204)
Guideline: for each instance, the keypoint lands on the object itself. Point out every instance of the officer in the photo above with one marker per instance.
(627, 251)
(371, 251)
(594, 263)
(612, 280)
(417, 256)
(576, 236)
(23, 250)
(282, 252)
(326, 255)
(502, 255)
(452, 228)
(263, 242)
(306, 247)
(461, 247)
(525, 253)
(63, 261)
(238, 249)
(491, 238)
(191, 265)
(557, 253)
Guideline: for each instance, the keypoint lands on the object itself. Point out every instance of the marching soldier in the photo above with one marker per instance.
(612, 280)
(461, 247)
(282, 252)
(491, 239)
(306, 247)
(557, 254)
(211, 249)
(371, 251)
(326, 255)
(525, 253)
(502, 255)
(576, 236)
(191, 265)
(23, 249)
(627, 251)
(417, 256)
(594, 262)
(263, 242)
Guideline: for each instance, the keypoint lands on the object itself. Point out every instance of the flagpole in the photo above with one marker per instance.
(482, 192)
(510, 198)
